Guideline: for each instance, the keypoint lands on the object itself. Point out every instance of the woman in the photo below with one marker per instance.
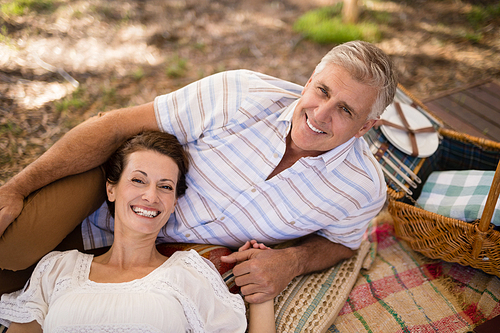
(132, 287)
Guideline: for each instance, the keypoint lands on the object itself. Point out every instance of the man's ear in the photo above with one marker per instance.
(110, 191)
(366, 127)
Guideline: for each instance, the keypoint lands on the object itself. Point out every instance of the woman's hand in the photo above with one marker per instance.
(262, 317)
(253, 244)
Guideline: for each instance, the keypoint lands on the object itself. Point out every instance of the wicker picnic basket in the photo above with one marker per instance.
(435, 236)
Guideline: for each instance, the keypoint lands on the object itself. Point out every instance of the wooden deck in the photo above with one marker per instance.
(474, 110)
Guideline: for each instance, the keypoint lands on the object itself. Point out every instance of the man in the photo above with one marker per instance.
(270, 161)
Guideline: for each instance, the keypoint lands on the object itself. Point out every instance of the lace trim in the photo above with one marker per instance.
(82, 271)
(19, 313)
(110, 328)
(220, 288)
(82, 267)
(80, 278)
(192, 316)
(16, 307)
(193, 259)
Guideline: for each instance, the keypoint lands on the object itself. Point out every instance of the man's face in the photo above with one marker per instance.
(333, 109)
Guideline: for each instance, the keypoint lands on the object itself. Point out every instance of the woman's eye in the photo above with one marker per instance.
(166, 187)
(138, 181)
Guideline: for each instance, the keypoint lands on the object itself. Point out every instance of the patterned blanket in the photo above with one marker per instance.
(404, 291)
(459, 194)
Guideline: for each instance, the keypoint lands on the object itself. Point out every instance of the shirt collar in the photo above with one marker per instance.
(287, 114)
(331, 158)
(338, 154)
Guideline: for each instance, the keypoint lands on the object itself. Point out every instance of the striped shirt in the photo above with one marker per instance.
(234, 126)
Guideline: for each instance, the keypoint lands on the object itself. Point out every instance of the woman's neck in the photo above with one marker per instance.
(126, 261)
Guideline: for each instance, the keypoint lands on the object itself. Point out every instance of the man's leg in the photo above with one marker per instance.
(48, 216)
(14, 280)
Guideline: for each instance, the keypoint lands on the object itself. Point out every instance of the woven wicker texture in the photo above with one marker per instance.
(311, 302)
(439, 237)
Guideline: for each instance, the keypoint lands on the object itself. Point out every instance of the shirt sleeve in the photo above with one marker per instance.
(31, 302)
(360, 221)
(355, 224)
(212, 308)
(202, 106)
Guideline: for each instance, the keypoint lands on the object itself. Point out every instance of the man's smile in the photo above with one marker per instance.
(313, 128)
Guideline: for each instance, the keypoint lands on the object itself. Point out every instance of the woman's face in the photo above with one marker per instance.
(145, 194)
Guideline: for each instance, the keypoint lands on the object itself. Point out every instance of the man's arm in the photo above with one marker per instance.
(262, 275)
(84, 147)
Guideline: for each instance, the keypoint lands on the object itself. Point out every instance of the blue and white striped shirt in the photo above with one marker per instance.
(234, 126)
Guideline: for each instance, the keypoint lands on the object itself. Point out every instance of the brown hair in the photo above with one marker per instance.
(163, 143)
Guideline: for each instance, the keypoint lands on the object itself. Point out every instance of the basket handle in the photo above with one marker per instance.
(488, 211)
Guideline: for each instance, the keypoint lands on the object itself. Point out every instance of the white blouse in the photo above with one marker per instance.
(184, 294)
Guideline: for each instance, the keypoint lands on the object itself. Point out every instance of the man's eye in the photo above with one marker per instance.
(346, 110)
(323, 90)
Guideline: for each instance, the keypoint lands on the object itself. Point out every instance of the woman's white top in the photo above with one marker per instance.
(184, 294)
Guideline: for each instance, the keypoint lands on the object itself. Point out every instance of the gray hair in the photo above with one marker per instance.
(369, 65)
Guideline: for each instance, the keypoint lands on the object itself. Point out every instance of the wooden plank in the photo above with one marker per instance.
(474, 109)
(454, 90)
(451, 121)
(493, 88)
(488, 129)
(476, 105)
(487, 95)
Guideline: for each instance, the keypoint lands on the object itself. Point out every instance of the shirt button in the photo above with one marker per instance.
(222, 218)
(253, 190)
(292, 223)
(187, 235)
(275, 155)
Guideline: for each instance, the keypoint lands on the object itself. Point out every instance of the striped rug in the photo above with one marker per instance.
(406, 292)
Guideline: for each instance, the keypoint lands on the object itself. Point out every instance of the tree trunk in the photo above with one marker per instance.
(350, 11)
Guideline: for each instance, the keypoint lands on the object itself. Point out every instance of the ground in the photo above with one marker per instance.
(62, 65)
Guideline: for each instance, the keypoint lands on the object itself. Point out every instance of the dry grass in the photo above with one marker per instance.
(126, 53)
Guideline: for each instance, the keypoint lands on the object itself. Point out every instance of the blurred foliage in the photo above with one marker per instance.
(176, 67)
(324, 25)
(480, 16)
(20, 7)
(71, 103)
(4, 37)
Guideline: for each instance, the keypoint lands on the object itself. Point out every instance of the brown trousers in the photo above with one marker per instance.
(50, 220)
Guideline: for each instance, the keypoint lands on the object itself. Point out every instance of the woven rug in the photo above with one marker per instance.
(404, 291)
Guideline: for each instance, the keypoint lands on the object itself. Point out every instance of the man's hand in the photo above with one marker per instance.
(261, 273)
(11, 205)
(83, 148)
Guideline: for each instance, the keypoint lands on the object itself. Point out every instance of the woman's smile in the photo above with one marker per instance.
(145, 212)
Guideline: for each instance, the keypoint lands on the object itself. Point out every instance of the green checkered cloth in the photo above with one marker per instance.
(458, 194)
